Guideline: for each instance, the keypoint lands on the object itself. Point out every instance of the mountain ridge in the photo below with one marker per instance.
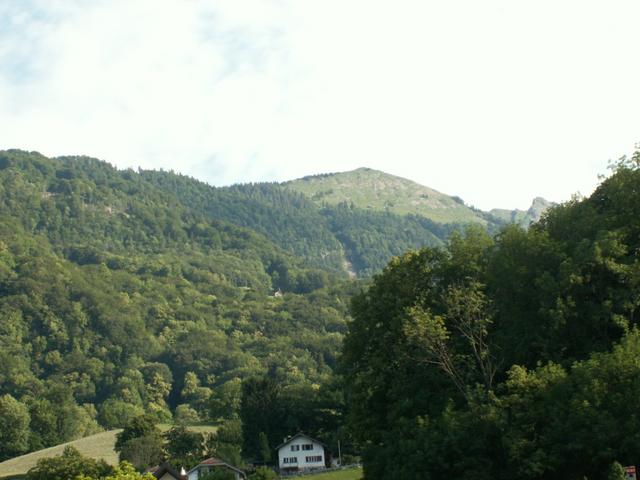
(372, 189)
(387, 192)
(524, 218)
(345, 236)
(122, 288)
(330, 236)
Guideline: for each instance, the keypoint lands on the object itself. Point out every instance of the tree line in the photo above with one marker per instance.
(514, 356)
(118, 300)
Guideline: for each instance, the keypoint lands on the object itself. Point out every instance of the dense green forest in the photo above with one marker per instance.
(127, 292)
(118, 299)
(334, 237)
(133, 298)
(513, 356)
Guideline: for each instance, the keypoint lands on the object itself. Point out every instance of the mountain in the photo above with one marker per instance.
(523, 217)
(374, 190)
(123, 292)
(351, 222)
(287, 218)
(117, 298)
(341, 238)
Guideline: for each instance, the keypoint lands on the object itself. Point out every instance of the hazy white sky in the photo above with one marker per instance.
(496, 101)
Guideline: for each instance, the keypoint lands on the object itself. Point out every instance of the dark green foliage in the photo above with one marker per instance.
(219, 473)
(324, 235)
(224, 402)
(143, 452)
(118, 299)
(142, 426)
(226, 443)
(288, 218)
(126, 471)
(261, 413)
(183, 447)
(229, 453)
(548, 423)
(185, 415)
(263, 473)
(70, 465)
(118, 413)
(140, 443)
(274, 408)
(575, 274)
(14, 427)
(616, 472)
(264, 448)
(371, 239)
(551, 310)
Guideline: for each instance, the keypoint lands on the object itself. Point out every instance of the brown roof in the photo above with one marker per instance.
(215, 462)
(211, 461)
(160, 470)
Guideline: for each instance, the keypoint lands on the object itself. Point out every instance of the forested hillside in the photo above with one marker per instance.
(523, 218)
(516, 356)
(335, 235)
(127, 292)
(288, 218)
(118, 299)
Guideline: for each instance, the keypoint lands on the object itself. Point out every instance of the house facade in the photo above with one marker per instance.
(208, 465)
(301, 452)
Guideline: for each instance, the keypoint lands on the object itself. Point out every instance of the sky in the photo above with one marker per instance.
(496, 101)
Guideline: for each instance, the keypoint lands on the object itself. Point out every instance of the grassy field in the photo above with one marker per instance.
(347, 474)
(99, 446)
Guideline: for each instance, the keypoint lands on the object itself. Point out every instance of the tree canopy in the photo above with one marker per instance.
(119, 298)
(513, 356)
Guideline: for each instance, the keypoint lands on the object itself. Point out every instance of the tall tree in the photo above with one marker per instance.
(70, 464)
(142, 426)
(14, 427)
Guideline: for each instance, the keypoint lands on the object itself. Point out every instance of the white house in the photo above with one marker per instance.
(301, 452)
(209, 464)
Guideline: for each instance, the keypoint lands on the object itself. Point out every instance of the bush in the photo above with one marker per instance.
(71, 464)
(143, 452)
(185, 415)
(263, 473)
(220, 473)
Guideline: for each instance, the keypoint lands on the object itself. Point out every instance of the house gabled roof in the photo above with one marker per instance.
(165, 468)
(216, 462)
(298, 435)
(211, 461)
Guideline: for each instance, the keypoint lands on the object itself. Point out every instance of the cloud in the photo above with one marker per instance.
(138, 84)
(494, 101)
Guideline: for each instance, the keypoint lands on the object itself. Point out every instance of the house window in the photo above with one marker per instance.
(307, 446)
(295, 448)
(290, 460)
(314, 459)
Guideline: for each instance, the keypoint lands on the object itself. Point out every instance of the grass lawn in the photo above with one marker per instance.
(98, 446)
(347, 474)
